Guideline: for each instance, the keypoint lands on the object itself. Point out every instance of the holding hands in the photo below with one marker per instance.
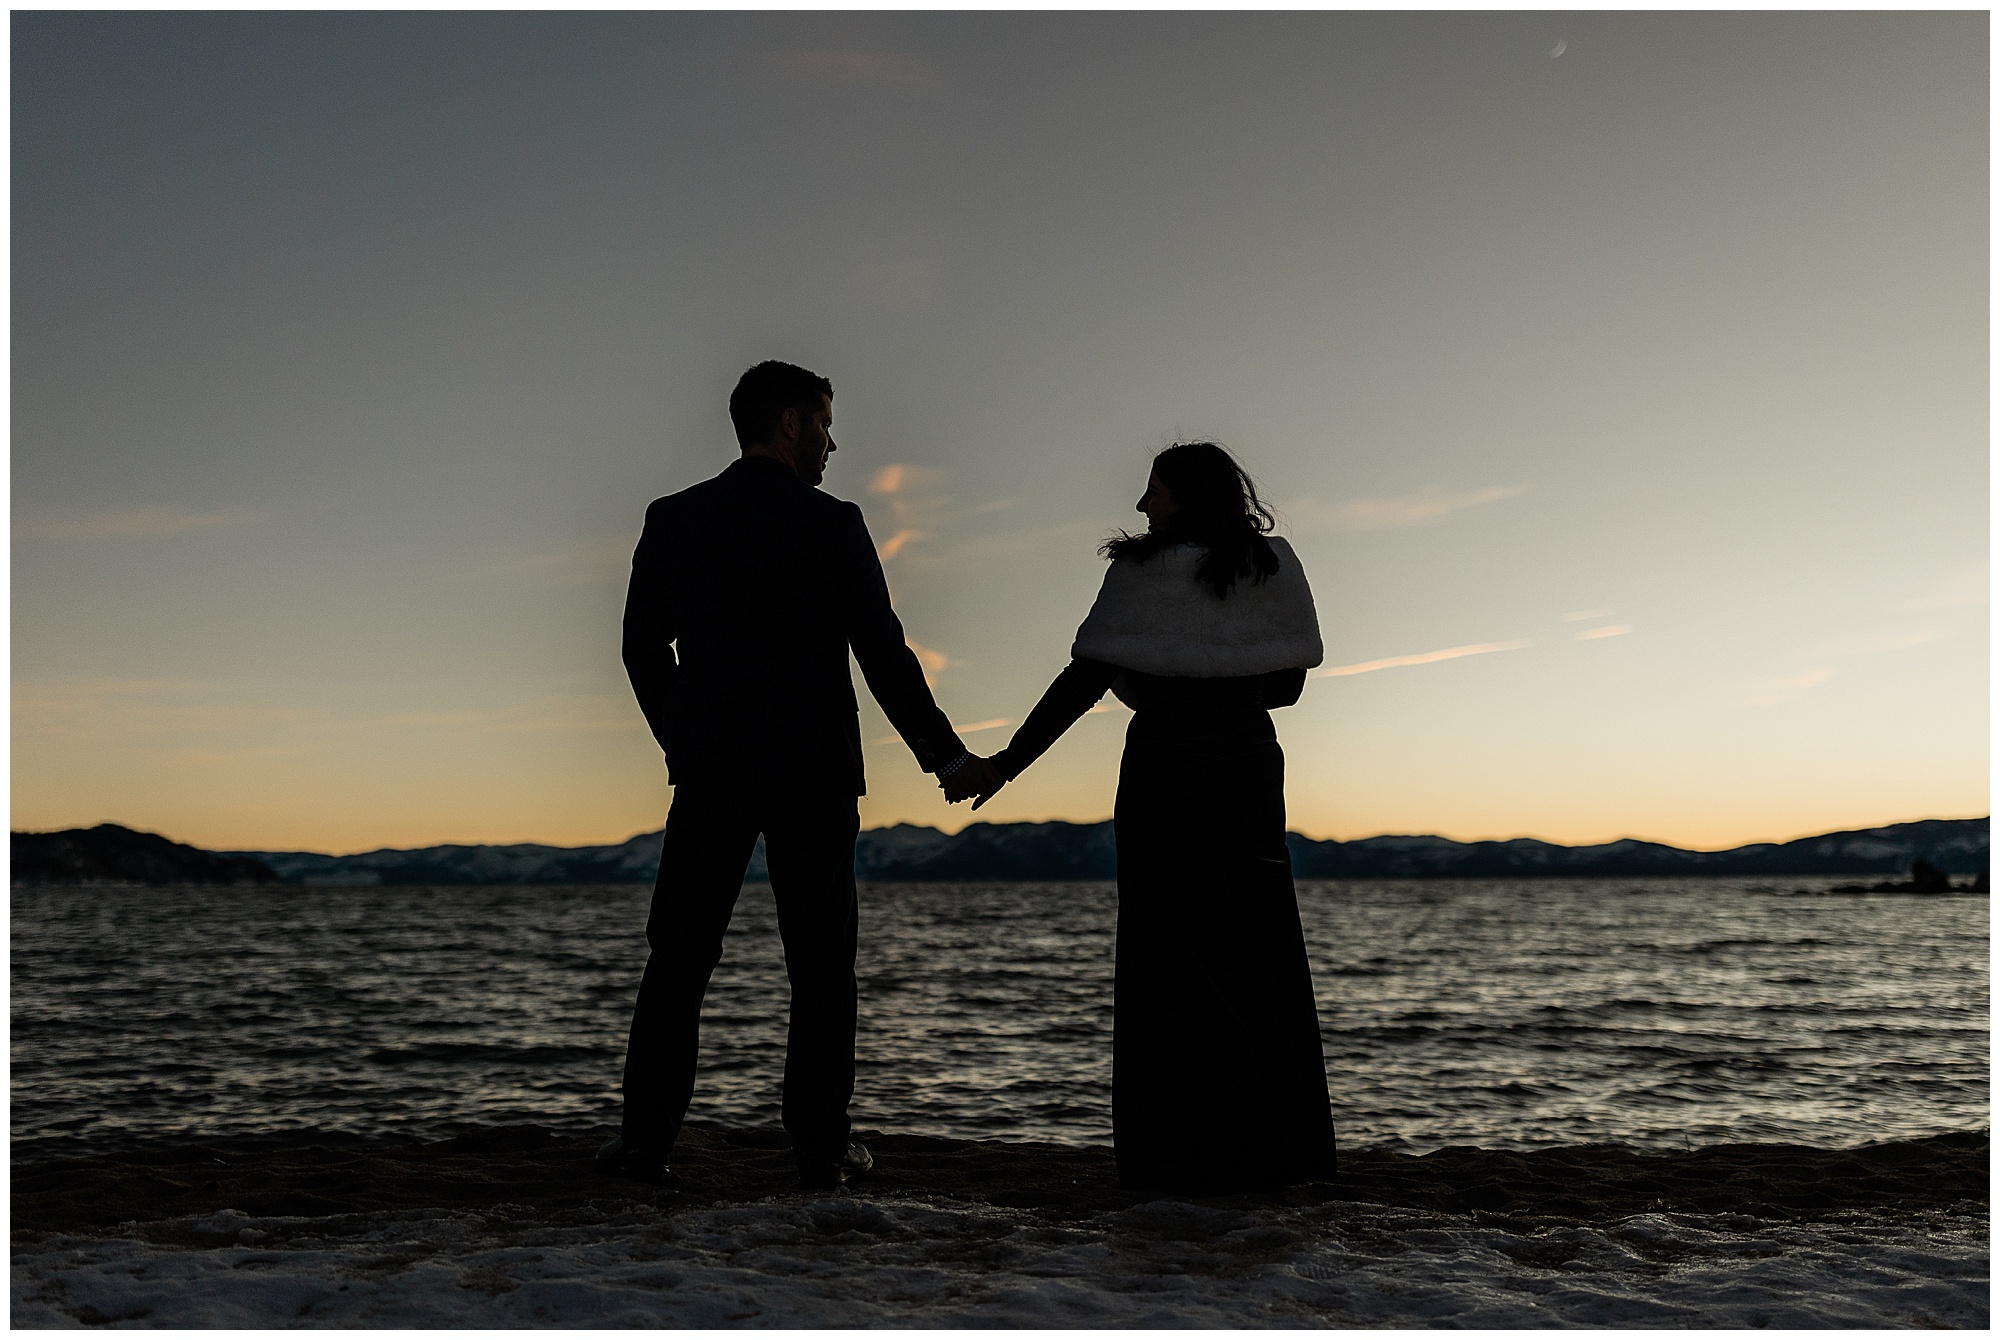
(975, 777)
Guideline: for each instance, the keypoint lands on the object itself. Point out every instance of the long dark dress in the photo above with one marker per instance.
(1218, 1082)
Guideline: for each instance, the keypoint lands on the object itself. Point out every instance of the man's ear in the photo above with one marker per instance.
(790, 427)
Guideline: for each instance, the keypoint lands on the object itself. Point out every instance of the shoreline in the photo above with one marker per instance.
(510, 1228)
(532, 1172)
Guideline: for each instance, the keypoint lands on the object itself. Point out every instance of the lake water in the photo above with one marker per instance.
(1506, 1013)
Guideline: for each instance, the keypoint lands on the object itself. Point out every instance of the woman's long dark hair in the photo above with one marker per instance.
(1219, 510)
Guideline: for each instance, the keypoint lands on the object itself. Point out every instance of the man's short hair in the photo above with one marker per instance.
(768, 390)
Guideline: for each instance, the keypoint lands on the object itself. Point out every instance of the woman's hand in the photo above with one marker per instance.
(992, 789)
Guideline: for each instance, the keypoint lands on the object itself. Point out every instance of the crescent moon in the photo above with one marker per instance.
(1561, 46)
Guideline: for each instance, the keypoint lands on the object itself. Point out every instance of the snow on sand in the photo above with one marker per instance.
(799, 1261)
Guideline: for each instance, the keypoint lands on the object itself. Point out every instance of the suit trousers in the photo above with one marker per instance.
(809, 848)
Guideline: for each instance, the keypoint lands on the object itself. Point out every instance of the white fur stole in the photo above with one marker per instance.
(1154, 617)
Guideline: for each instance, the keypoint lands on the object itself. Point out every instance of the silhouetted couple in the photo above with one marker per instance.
(748, 592)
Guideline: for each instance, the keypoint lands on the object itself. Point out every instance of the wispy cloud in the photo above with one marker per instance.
(1005, 543)
(890, 478)
(1578, 616)
(926, 531)
(1967, 586)
(188, 714)
(46, 699)
(1423, 658)
(903, 480)
(995, 724)
(554, 714)
(109, 708)
(1610, 630)
(1784, 688)
(1389, 513)
(934, 662)
(1877, 644)
(161, 521)
(903, 485)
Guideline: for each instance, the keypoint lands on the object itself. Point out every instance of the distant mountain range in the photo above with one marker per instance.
(109, 854)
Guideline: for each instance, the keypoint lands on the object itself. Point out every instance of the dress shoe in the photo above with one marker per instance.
(622, 1157)
(832, 1176)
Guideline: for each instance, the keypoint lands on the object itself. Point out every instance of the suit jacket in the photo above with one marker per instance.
(747, 592)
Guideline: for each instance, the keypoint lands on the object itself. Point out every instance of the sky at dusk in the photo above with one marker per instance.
(1620, 380)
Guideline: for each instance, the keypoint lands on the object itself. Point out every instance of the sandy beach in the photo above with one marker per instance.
(512, 1226)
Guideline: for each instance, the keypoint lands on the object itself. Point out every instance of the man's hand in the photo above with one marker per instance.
(974, 777)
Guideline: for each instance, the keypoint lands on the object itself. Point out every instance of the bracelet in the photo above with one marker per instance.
(964, 757)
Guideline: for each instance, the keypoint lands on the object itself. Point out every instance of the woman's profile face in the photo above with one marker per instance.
(1156, 502)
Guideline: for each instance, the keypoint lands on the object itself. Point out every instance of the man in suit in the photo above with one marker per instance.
(748, 591)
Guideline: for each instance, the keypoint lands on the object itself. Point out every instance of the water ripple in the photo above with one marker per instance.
(1505, 1013)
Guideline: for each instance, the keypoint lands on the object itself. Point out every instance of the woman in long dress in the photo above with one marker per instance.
(1204, 623)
